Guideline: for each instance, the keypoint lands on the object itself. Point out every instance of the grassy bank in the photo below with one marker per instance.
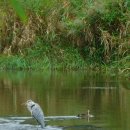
(66, 34)
(42, 56)
(45, 57)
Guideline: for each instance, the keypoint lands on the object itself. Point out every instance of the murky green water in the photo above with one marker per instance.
(63, 95)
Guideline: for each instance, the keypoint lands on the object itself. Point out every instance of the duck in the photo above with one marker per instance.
(85, 115)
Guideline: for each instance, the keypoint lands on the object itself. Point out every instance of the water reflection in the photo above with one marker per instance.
(68, 94)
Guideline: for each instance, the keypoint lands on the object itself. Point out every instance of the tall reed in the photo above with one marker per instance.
(99, 29)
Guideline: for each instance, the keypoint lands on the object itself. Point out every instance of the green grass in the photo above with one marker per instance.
(67, 34)
(43, 56)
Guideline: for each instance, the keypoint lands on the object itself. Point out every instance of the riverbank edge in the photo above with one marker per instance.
(64, 60)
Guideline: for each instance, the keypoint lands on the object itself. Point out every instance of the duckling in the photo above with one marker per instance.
(85, 115)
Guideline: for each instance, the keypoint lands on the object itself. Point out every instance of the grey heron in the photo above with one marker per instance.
(36, 112)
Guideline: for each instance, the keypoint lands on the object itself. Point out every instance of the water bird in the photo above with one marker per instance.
(85, 115)
(36, 112)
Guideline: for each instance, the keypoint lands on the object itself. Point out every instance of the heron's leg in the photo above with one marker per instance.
(36, 121)
(37, 124)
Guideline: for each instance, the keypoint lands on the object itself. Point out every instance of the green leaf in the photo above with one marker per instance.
(19, 10)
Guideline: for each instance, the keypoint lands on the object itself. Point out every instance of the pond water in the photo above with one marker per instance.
(63, 96)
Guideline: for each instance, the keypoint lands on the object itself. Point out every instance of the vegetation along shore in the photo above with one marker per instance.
(65, 35)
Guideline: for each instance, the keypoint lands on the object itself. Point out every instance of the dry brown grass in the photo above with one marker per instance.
(64, 23)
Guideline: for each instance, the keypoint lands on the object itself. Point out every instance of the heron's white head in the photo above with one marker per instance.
(29, 103)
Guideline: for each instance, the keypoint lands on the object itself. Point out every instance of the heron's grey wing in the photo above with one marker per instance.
(37, 113)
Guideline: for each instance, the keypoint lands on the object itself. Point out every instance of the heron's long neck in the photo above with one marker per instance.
(32, 106)
(88, 113)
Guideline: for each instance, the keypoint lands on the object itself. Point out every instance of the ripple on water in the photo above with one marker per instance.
(19, 123)
(14, 123)
(11, 126)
